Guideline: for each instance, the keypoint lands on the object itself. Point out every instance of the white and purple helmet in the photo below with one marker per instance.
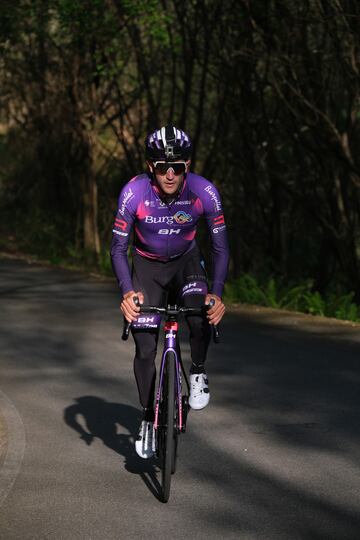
(168, 143)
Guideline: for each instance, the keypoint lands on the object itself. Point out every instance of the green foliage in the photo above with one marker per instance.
(44, 239)
(248, 290)
(104, 264)
(314, 303)
(245, 289)
(293, 298)
(344, 308)
(41, 235)
(151, 19)
(272, 293)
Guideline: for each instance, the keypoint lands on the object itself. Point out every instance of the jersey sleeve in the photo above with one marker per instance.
(219, 242)
(122, 228)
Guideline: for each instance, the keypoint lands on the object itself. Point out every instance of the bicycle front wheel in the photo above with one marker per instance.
(169, 425)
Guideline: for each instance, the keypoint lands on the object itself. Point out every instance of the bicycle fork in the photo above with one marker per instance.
(171, 329)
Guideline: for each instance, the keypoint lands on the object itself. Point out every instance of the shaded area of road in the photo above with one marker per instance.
(275, 455)
(3, 438)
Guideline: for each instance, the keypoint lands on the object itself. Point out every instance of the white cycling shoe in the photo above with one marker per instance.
(145, 443)
(199, 391)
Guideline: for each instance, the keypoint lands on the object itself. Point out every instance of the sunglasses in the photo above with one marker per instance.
(162, 167)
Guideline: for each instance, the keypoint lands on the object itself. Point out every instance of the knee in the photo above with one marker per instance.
(198, 326)
(145, 354)
(145, 347)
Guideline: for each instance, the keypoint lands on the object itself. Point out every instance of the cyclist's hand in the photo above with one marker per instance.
(216, 312)
(128, 307)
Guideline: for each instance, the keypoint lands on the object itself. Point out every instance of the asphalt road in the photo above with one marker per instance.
(276, 454)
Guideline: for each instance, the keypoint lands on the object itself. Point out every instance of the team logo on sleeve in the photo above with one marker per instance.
(214, 197)
(219, 220)
(120, 226)
(219, 223)
(128, 195)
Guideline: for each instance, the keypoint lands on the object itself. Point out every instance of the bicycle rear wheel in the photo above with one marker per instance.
(168, 420)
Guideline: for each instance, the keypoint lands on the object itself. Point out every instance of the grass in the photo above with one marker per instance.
(301, 297)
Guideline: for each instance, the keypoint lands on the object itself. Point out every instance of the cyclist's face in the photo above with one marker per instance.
(169, 182)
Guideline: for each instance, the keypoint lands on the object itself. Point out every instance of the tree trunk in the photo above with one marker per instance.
(90, 205)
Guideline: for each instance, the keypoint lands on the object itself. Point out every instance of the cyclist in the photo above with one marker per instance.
(163, 207)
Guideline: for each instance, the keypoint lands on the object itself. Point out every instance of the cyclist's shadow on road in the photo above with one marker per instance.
(91, 417)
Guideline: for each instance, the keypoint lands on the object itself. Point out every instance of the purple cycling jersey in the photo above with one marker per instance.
(166, 231)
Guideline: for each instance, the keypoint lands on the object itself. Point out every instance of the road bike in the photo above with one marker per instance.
(171, 402)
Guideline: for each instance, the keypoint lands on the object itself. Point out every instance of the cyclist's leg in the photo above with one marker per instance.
(147, 279)
(192, 286)
(145, 371)
(200, 333)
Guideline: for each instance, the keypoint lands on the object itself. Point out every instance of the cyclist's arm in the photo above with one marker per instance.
(122, 229)
(219, 242)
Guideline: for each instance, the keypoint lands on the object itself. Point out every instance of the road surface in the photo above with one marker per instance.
(276, 454)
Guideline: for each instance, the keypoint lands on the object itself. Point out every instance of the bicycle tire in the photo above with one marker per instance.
(169, 439)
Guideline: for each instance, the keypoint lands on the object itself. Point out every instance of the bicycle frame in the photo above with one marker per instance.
(175, 405)
(170, 345)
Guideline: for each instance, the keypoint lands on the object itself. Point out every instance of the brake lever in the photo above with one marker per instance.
(127, 324)
(215, 327)
(126, 330)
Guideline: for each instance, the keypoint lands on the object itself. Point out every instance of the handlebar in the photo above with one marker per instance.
(171, 311)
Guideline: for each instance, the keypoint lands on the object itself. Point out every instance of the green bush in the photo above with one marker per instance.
(294, 298)
(245, 289)
(344, 308)
(314, 303)
(301, 297)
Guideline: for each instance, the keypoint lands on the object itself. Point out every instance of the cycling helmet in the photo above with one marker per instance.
(167, 143)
